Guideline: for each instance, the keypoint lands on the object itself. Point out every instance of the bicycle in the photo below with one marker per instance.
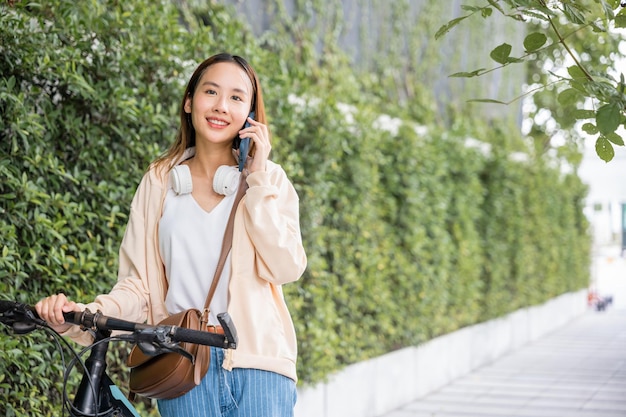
(97, 395)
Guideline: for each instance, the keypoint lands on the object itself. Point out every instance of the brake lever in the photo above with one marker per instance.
(229, 330)
(155, 349)
(155, 341)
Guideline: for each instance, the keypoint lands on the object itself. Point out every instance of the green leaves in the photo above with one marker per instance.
(568, 97)
(501, 54)
(469, 74)
(574, 13)
(604, 149)
(608, 118)
(577, 73)
(483, 11)
(580, 33)
(620, 21)
(535, 41)
(449, 26)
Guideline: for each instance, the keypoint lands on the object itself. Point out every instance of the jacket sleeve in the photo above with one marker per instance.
(272, 221)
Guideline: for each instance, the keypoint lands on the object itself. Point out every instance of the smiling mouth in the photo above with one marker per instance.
(217, 122)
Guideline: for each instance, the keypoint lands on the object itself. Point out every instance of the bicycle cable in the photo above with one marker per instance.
(76, 361)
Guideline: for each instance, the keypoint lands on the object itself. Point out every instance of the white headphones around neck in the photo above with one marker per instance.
(180, 178)
(225, 182)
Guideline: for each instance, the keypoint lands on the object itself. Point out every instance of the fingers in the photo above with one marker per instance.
(256, 131)
(259, 135)
(51, 308)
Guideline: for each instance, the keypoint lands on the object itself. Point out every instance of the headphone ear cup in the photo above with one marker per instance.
(180, 178)
(226, 180)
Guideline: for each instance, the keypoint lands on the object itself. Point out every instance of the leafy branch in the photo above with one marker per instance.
(587, 84)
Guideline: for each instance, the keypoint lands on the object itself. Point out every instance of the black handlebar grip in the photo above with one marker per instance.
(200, 337)
(99, 321)
(6, 305)
(117, 324)
(73, 317)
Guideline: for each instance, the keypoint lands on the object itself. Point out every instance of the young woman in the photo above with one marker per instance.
(173, 239)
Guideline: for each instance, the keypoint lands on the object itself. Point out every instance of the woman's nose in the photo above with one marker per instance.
(220, 105)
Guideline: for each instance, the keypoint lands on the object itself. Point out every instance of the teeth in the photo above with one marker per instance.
(217, 122)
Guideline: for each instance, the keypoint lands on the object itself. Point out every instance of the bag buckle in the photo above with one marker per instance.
(204, 318)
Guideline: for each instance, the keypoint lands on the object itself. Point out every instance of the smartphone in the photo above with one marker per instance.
(243, 144)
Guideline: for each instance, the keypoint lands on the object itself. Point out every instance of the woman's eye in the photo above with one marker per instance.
(211, 92)
(236, 98)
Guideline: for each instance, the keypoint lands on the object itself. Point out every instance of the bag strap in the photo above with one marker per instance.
(227, 243)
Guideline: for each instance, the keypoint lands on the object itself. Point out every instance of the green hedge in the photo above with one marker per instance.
(415, 236)
(410, 233)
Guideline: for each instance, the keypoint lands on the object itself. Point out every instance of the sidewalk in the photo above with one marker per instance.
(579, 370)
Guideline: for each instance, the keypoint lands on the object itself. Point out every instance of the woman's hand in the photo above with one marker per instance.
(51, 310)
(259, 135)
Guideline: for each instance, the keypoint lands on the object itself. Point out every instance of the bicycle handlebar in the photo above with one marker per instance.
(97, 395)
(24, 318)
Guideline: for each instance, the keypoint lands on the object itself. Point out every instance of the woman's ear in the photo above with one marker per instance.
(187, 106)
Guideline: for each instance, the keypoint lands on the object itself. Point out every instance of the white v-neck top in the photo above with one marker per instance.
(190, 241)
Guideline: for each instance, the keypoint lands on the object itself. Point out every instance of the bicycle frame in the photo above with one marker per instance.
(97, 395)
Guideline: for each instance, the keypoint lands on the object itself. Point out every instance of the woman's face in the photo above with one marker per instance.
(221, 103)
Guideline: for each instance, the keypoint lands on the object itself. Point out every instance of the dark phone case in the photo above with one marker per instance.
(243, 144)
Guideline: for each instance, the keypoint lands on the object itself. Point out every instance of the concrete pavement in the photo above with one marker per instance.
(578, 370)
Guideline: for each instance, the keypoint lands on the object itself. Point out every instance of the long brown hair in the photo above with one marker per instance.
(186, 136)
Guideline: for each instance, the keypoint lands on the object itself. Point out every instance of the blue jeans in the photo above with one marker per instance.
(241, 392)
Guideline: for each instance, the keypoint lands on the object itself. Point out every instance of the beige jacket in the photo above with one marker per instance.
(267, 252)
